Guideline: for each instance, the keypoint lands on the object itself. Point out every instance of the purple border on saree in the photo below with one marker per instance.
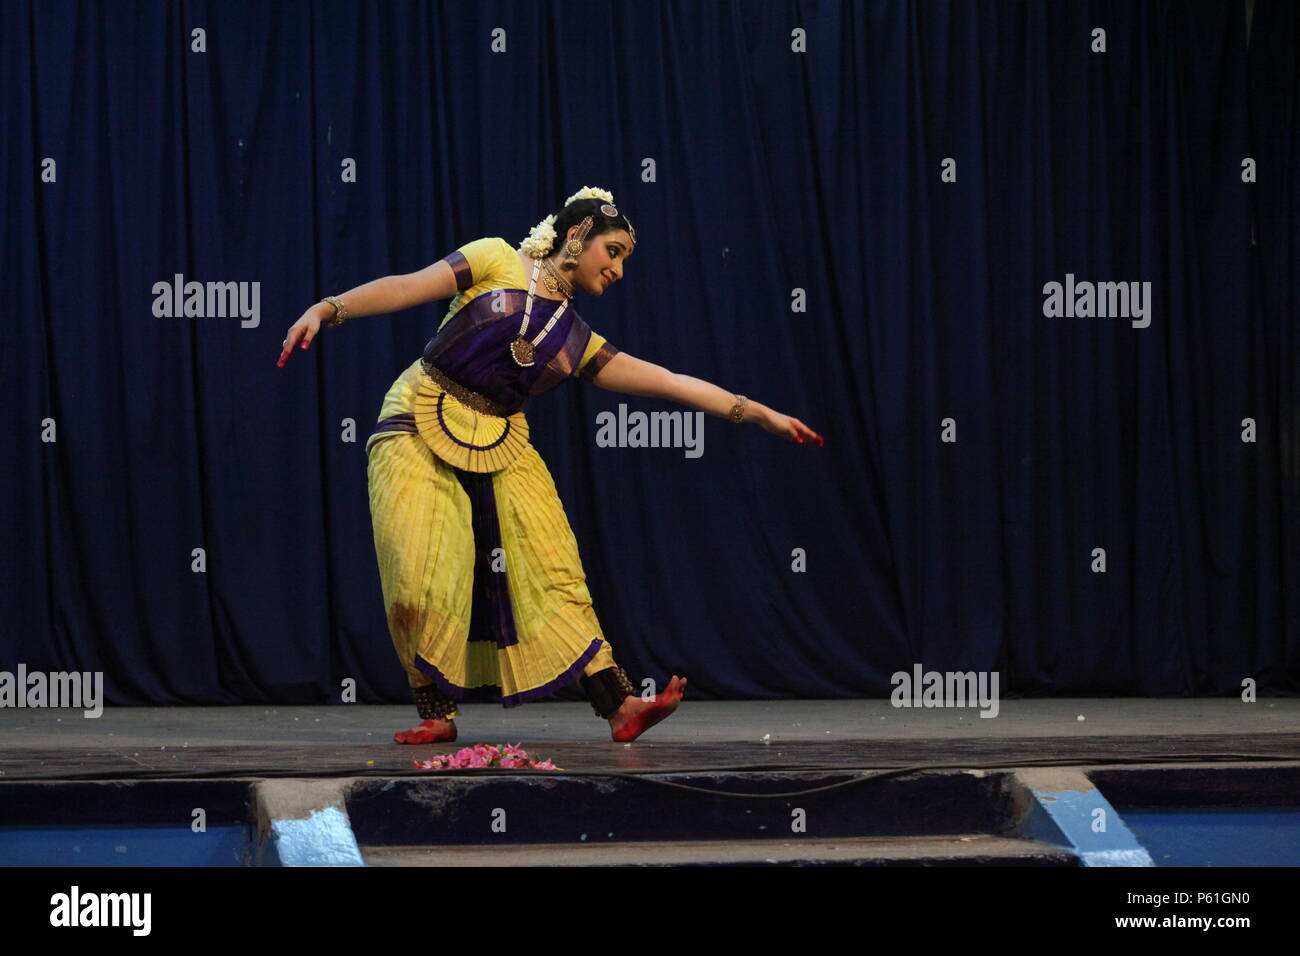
(473, 347)
(456, 692)
(404, 422)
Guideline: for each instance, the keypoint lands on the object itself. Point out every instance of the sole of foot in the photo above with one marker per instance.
(636, 716)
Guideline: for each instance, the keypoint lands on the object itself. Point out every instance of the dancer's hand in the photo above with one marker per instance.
(791, 429)
(305, 329)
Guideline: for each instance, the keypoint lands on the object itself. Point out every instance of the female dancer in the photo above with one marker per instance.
(485, 592)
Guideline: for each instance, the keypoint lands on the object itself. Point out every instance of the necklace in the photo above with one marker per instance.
(521, 350)
(556, 282)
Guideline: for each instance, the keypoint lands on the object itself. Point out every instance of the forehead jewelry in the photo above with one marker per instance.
(612, 211)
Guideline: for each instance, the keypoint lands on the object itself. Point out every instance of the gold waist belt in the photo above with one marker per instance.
(466, 396)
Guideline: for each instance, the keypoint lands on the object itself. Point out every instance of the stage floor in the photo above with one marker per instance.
(353, 740)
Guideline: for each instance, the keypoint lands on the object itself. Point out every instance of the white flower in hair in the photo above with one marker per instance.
(542, 238)
(591, 192)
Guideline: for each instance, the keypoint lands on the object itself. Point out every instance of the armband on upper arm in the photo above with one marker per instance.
(478, 260)
(460, 269)
(599, 357)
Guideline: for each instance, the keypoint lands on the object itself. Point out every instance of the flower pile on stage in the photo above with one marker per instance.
(507, 756)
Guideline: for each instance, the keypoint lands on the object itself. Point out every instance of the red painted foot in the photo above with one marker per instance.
(429, 732)
(636, 716)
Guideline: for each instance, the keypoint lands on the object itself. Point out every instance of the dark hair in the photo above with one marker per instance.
(578, 210)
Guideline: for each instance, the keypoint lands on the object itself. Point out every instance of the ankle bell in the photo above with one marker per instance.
(432, 703)
(607, 689)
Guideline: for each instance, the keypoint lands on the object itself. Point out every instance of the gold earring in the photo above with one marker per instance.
(573, 247)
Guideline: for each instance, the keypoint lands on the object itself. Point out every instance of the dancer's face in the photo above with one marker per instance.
(600, 264)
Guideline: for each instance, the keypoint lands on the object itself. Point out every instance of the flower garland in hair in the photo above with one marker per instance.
(541, 240)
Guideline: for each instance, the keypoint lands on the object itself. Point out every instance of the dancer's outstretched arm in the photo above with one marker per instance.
(633, 376)
(377, 297)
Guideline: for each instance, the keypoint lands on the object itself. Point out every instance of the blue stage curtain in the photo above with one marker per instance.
(784, 164)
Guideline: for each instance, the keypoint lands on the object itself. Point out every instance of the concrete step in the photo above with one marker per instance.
(967, 850)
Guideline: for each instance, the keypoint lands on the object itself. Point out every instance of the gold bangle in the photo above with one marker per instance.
(738, 410)
(340, 311)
